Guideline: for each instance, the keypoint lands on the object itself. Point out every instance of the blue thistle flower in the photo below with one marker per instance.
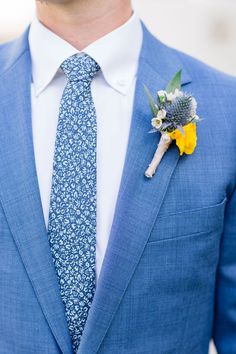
(178, 113)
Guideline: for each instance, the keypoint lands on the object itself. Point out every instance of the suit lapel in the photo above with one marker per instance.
(139, 198)
(19, 191)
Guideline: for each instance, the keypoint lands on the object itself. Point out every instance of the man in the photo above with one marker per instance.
(95, 257)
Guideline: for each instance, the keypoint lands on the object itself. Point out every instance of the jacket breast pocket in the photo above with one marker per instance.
(188, 223)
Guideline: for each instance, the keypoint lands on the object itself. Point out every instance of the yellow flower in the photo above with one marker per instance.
(186, 143)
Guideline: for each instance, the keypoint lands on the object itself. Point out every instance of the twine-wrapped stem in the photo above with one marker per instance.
(162, 147)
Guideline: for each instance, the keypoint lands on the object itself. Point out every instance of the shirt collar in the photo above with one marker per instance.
(117, 54)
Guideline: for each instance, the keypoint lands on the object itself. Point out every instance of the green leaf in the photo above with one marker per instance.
(151, 101)
(175, 83)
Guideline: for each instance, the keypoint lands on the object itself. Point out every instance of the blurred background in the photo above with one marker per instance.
(205, 29)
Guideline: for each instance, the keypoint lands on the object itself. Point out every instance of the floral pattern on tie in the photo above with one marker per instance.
(72, 213)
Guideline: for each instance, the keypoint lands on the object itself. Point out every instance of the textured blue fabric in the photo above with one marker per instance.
(72, 213)
(168, 280)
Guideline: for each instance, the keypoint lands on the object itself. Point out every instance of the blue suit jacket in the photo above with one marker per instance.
(168, 281)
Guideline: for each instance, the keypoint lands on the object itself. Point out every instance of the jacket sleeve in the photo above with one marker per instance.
(224, 331)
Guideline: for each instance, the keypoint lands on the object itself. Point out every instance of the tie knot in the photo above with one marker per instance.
(80, 68)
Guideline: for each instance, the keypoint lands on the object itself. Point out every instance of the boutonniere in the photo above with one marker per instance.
(175, 117)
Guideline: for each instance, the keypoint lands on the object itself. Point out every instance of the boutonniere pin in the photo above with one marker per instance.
(175, 117)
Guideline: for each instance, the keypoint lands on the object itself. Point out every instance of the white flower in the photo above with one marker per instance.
(162, 96)
(156, 122)
(178, 93)
(161, 114)
(172, 96)
(161, 93)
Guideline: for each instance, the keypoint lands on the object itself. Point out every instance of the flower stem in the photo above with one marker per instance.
(162, 147)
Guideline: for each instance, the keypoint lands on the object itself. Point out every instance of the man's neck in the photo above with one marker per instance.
(82, 22)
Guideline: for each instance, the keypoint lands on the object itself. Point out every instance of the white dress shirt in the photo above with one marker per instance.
(117, 53)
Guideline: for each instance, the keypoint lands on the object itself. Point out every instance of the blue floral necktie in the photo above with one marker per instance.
(72, 212)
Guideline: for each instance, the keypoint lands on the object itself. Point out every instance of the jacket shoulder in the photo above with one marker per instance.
(164, 58)
(11, 52)
(203, 73)
(5, 49)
